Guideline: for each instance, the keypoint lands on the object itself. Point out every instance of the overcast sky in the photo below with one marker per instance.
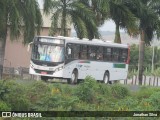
(108, 26)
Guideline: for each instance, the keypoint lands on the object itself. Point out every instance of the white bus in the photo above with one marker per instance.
(74, 59)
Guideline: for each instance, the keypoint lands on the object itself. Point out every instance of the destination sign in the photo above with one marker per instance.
(51, 40)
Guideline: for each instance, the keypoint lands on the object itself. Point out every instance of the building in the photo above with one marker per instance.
(16, 54)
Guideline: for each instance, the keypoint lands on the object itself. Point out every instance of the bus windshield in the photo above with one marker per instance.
(49, 53)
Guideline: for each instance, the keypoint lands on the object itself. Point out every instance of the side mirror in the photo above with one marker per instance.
(29, 45)
(69, 51)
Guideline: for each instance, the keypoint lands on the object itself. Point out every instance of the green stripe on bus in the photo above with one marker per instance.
(84, 61)
(119, 65)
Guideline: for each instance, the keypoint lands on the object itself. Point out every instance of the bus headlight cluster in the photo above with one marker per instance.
(59, 68)
(32, 66)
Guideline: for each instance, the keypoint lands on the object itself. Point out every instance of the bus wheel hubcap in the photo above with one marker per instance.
(73, 77)
(106, 79)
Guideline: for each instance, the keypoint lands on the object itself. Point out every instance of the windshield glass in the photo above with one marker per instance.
(50, 53)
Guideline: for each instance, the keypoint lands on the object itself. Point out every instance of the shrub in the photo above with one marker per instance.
(4, 106)
(37, 91)
(15, 97)
(4, 89)
(119, 91)
(144, 92)
(85, 91)
(154, 99)
(126, 104)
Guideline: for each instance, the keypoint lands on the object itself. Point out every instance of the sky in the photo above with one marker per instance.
(109, 25)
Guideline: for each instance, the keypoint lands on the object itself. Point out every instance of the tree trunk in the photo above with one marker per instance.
(2, 53)
(64, 22)
(117, 34)
(3, 36)
(141, 57)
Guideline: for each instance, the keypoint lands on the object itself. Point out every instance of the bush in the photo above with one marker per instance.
(144, 92)
(126, 104)
(37, 91)
(85, 91)
(154, 99)
(4, 106)
(120, 91)
(15, 97)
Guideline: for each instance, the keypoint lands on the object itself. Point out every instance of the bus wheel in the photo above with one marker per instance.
(44, 78)
(106, 78)
(74, 77)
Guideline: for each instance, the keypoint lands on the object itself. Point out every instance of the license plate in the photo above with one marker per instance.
(43, 72)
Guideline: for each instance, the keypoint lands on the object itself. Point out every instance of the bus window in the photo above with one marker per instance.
(124, 54)
(69, 51)
(115, 54)
(83, 53)
(92, 52)
(107, 54)
(76, 51)
(99, 53)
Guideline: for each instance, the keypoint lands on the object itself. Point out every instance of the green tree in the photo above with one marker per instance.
(157, 57)
(134, 57)
(120, 13)
(71, 11)
(18, 17)
(147, 11)
(100, 9)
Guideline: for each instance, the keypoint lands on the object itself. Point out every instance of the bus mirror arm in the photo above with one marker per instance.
(29, 45)
(66, 56)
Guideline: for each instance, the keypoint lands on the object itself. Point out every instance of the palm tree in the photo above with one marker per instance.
(18, 17)
(148, 13)
(100, 9)
(71, 11)
(122, 16)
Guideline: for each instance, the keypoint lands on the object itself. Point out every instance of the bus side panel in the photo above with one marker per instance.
(97, 69)
(68, 69)
(119, 72)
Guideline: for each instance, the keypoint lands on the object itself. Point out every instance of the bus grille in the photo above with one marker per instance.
(43, 71)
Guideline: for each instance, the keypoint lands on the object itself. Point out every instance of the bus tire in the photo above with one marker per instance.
(44, 78)
(106, 78)
(74, 77)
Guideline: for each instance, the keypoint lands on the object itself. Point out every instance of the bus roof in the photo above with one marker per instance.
(87, 41)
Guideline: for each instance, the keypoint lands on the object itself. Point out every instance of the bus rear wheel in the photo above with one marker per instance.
(106, 78)
(74, 77)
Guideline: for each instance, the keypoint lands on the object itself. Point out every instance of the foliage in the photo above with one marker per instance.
(154, 99)
(149, 22)
(75, 12)
(18, 17)
(119, 91)
(126, 104)
(157, 72)
(133, 66)
(87, 96)
(85, 91)
(123, 17)
(16, 96)
(4, 106)
(4, 89)
(145, 92)
(18, 13)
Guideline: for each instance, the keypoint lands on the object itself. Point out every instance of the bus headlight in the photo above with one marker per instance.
(32, 66)
(58, 69)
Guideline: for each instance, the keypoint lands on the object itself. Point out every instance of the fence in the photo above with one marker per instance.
(21, 72)
(146, 81)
